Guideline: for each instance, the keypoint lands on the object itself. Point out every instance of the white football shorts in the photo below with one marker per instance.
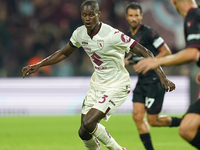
(106, 101)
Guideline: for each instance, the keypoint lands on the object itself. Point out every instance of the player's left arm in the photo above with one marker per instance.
(142, 51)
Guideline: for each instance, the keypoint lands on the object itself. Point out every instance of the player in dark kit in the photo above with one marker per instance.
(190, 125)
(148, 94)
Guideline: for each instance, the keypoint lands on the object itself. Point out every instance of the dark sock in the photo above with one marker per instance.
(146, 139)
(196, 141)
(175, 122)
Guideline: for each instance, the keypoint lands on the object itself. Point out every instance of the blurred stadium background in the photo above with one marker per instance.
(33, 29)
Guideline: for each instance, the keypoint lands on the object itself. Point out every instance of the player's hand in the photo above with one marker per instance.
(198, 78)
(29, 69)
(167, 84)
(146, 64)
(126, 62)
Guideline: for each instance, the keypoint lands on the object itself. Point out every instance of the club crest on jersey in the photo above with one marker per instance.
(125, 38)
(100, 43)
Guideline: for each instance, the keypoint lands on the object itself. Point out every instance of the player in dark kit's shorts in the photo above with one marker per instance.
(148, 94)
(152, 95)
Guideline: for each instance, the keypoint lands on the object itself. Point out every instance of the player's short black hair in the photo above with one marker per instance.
(93, 3)
(133, 5)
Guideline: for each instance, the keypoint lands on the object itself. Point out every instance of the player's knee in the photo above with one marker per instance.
(80, 133)
(86, 125)
(89, 125)
(183, 132)
(137, 116)
(153, 122)
(83, 134)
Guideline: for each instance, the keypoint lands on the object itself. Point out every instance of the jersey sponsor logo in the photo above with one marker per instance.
(100, 43)
(85, 43)
(85, 46)
(100, 68)
(125, 38)
(193, 37)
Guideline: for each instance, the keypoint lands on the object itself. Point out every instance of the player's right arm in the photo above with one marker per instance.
(50, 60)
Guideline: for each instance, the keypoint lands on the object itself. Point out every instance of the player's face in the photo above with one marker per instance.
(134, 17)
(90, 17)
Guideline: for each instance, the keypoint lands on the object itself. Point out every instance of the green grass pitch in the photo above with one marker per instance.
(61, 133)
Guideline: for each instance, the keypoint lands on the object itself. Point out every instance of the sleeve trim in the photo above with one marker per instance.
(133, 44)
(71, 44)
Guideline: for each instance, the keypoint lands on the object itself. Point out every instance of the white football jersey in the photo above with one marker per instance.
(106, 50)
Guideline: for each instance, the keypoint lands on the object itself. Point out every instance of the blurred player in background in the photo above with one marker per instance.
(110, 82)
(148, 94)
(190, 125)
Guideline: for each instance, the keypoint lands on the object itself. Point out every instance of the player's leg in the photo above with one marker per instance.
(156, 120)
(154, 102)
(142, 125)
(139, 116)
(108, 101)
(90, 124)
(190, 125)
(102, 108)
(90, 142)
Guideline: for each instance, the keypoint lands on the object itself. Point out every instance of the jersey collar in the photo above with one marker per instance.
(92, 35)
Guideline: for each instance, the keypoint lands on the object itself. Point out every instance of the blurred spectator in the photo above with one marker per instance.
(63, 69)
(30, 26)
(39, 56)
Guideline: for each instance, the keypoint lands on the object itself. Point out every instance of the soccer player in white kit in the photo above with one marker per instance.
(110, 82)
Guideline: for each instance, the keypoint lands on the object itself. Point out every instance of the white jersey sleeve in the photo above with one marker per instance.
(74, 38)
(122, 41)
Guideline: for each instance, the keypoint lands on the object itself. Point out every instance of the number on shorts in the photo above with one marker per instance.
(149, 102)
(104, 99)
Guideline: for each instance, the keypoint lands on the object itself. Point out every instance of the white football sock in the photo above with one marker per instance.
(102, 135)
(92, 144)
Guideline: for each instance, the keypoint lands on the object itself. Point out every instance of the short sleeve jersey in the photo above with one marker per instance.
(150, 39)
(106, 50)
(192, 29)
